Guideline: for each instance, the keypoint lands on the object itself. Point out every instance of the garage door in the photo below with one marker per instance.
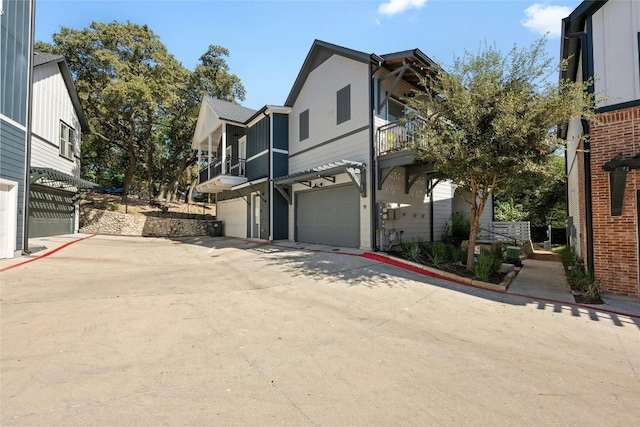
(330, 216)
(51, 211)
(234, 215)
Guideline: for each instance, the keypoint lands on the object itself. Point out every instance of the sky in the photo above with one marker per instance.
(268, 40)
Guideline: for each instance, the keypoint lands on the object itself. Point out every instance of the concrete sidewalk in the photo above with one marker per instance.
(546, 280)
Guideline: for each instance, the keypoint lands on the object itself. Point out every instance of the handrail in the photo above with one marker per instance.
(234, 166)
(399, 135)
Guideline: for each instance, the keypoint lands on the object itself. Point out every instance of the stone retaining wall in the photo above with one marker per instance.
(106, 222)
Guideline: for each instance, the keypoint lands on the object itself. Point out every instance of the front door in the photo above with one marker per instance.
(255, 215)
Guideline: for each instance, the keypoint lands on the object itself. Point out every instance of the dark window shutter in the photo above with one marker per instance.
(343, 108)
(304, 125)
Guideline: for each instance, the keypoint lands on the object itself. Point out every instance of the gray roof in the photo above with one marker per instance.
(41, 58)
(229, 111)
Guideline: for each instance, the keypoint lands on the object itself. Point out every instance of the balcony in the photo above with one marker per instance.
(396, 145)
(213, 180)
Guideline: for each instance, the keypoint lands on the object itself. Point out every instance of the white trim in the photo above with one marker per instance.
(11, 217)
(247, 184)
(253, 218)
(278, 150)
(12, 122)
(270, 109)
(255, 156)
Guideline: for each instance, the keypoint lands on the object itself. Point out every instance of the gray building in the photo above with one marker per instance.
(16, 45)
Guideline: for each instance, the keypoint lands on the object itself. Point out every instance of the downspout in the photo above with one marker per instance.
(27, 160)
(372, 153)
(270, 210)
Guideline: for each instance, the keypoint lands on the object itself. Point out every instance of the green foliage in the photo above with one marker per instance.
(490, 121)
(509, 210)
(457, 230)
(488, 262)
(437, 254)
(411, 251)
(141, 103)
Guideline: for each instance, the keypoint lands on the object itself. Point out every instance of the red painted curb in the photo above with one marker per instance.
(53, 251)
(399, 264)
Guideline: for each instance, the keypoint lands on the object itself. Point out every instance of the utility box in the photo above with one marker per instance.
(216, 229)
(512, 253)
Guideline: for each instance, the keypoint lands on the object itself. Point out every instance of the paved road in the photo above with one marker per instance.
(134, 331)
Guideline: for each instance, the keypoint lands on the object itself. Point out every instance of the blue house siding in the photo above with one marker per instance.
(280, 217)
(258, 167)
(258, 137)
(280, 164)
(15, 47)
(281, 131)
(12, 156)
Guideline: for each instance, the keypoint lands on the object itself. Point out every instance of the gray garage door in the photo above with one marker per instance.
(329, 216)
(50, 211)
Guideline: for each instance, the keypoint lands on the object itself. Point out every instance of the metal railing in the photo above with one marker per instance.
(399, 135)
(235, 166)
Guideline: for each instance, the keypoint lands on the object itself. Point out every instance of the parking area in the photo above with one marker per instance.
(215, 331)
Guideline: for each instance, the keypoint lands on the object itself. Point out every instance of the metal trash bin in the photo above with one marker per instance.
(216, 229)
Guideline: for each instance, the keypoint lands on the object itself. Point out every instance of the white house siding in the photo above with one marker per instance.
(461, 206)
(442, 208)
(412, 211)
(52, 104)
(615, 35)
(573, 172)
(319, 96)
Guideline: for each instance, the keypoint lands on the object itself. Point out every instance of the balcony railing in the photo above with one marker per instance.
(234, 167)
(399, 135)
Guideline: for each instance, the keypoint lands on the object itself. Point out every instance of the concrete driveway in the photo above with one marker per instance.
(204, 331)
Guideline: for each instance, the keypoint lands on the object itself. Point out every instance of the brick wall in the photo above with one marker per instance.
(615, 238)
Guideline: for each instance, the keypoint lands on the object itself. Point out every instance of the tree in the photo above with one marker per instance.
(490, 121)
(141, 103)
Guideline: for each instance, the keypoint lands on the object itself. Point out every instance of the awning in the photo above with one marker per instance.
(56, 179)
(355, 170)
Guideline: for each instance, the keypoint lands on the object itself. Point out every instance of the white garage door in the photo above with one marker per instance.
(234, 215)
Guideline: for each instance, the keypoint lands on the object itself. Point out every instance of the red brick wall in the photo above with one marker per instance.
(615, 238)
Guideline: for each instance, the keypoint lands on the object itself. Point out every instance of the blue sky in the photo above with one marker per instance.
(269, 40)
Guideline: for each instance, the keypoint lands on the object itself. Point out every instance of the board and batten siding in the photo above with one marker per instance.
(12, 164)
(329, 141)
(51, 105)
(615, 50)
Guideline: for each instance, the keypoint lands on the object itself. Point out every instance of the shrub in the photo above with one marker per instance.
(438, 253)
(458, 230)
(487, 263)
(411, 251)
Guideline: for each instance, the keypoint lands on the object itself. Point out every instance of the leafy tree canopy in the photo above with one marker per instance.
(141, 103)
(490, 122)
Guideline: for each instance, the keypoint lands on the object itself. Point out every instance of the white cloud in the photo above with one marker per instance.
(393, 7)
(545, 19)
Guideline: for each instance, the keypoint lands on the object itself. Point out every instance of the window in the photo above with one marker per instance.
(304, 125)
(67, 140)
(343, 107)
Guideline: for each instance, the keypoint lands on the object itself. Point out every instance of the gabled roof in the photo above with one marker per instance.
(228, 111)
(42, 58)
(321, 51)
